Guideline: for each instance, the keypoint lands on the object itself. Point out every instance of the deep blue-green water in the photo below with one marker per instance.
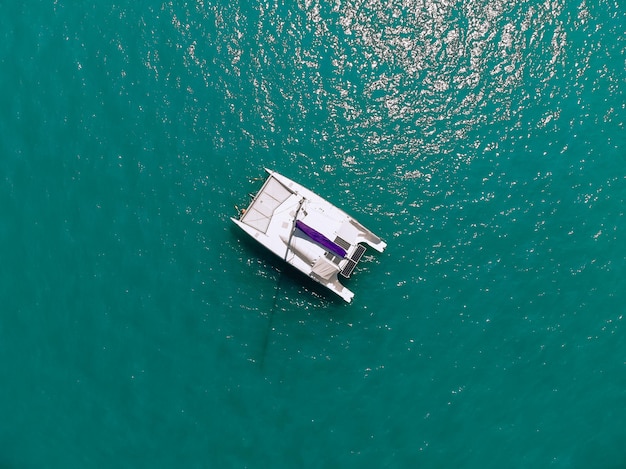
(484, 140)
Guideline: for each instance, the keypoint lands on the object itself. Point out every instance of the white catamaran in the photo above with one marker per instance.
(307, 231)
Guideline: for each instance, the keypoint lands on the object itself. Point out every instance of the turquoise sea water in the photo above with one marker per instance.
(485, 141)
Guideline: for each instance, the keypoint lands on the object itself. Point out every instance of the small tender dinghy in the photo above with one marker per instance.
(307, 232)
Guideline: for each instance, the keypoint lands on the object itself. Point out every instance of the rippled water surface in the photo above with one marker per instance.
(483, 140)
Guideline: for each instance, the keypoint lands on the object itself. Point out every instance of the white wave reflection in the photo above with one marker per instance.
(358, 82)
(440, 68)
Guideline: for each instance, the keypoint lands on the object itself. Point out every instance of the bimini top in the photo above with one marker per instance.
(307, 231)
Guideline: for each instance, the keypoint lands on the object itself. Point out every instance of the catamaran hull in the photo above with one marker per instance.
(307, 231)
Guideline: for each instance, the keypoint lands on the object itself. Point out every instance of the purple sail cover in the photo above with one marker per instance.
(320, 239)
